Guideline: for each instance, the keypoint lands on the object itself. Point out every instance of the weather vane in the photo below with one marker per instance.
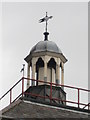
(45, 19)
(22, 70)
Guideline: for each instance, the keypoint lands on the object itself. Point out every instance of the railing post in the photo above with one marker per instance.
(22, 86)
(78, 97)
(10, 96)
(51, 92)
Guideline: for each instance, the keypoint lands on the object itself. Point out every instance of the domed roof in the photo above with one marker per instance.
(45, 46)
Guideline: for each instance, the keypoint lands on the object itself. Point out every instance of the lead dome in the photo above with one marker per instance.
(45, 46)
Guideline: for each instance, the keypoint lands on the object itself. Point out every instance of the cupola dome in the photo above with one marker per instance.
(45, 46)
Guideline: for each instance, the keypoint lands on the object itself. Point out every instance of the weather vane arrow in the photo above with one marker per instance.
(45, 19)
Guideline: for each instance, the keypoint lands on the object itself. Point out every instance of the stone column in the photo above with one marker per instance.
(33, 74)
(28, 75)
(62, 75)
(57, 73)
(45, 71)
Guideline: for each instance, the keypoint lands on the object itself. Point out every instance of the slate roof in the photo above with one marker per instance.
(26, 109)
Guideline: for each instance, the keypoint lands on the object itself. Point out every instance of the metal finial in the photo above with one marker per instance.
(46, 21)
(46, 14)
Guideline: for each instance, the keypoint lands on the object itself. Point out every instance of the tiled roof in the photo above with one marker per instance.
(26, 109)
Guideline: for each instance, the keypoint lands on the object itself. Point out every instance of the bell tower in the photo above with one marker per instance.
(46, 61)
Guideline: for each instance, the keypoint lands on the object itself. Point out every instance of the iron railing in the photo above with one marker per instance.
(85, 106)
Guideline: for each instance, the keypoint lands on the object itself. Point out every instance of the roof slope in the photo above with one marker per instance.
(25, 109)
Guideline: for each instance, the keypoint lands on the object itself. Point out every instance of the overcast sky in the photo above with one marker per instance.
(21, 31)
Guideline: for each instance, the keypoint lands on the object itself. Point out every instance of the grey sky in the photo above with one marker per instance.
(21, 31)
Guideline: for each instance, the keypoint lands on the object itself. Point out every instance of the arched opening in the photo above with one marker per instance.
(51, 76)
(52, 63)
(39, 69)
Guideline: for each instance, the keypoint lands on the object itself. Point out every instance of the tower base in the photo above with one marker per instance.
(42, 93)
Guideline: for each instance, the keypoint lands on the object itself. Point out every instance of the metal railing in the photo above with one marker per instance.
(78, 103)
(10, 91)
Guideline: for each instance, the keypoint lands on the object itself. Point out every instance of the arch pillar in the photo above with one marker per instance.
(28, 75)
(45, 71)
(33, 70)
(62, 75)
(58, 71)
(33, 74)
(46, 59)
(57, 74)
